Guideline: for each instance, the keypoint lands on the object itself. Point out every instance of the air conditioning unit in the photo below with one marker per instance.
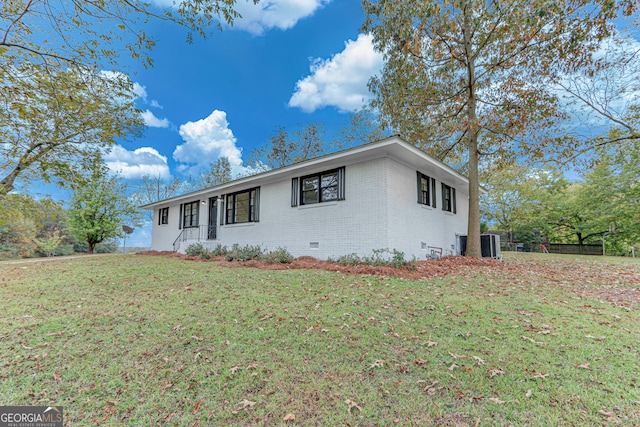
(489, 246)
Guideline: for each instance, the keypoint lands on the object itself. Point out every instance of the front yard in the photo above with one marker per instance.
(144, 340)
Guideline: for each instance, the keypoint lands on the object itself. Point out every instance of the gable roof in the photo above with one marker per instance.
(394, 147)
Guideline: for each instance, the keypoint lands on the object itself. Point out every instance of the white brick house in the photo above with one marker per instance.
(382, 195)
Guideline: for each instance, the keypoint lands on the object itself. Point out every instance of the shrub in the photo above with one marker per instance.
(244, 253)
(394, 258)
(219, 250)
(398, 260)
(351, 259)
(377, 259)
(278, 256)
(197, 249)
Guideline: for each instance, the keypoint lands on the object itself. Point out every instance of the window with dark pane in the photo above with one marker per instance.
(322, 187)
(310, 193)
(163, 216)
(241, 206)
(190, 214)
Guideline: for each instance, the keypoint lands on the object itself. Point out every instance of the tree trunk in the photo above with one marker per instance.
(92, 246)
(473, 227)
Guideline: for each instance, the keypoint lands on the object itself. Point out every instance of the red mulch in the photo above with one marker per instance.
(423, 269)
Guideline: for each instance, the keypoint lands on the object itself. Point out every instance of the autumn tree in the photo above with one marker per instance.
(152, 189)
(99, 208)
(362, 127)
(55, 125)
(218, 173)
(58, 108)
(604, 98)
(464, 78)
(285, 148)
(96, 33)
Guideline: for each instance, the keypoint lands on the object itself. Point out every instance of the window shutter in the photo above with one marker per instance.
(222, 209)
(341, 174)
(433, 193)
(159, 215)
(294, 192)
(444, 200)
(256, 214)
(453, 199)
(419, 186)
(180, 217)
(197, 214)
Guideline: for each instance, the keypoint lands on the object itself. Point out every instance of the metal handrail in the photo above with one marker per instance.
(197, 233)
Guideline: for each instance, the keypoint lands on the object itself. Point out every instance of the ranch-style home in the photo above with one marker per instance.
(382, 195)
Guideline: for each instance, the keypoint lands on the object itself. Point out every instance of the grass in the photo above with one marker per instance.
(139, 340)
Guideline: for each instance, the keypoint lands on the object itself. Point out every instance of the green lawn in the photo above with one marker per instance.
(141, 341)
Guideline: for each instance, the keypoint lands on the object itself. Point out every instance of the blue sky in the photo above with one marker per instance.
(285, 64)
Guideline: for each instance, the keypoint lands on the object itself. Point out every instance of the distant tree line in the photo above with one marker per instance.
(541, 205)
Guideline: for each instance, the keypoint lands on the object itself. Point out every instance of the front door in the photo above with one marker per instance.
(213, 216)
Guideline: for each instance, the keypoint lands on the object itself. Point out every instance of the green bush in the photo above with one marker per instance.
(377, 259)
(351, 259)
(197, 249)
(394, 258)
(219, 250)
(278, 256)
(244, 253)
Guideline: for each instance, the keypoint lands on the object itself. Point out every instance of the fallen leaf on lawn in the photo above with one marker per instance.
(377, 364)
(177, 327)
(606, 414)
(420, 362)
(289, 417)
(352, 405)
(532, 340)
(494, 372)
(496, 400)
(252, 366)
(431, 388)
(537, 374)
(235, 369)
(197, 406)
(57, 376)
(583, 365)
(457, 356)
(528, 393)
(479, 360)
(453, 366)
(432, 344)
(246, 403)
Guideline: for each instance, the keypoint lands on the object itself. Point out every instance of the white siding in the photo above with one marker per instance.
(380, 211)
(412, 224)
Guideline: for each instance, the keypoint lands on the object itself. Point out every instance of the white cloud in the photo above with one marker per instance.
(205, 141)
(340, 81)
(137, 163)
(267, 14)
(140, 91)
(281, 14)
(152, 121)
